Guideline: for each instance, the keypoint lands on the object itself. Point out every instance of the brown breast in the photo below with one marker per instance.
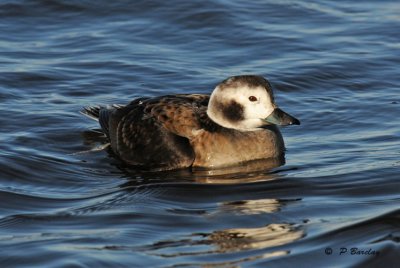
(223, 148)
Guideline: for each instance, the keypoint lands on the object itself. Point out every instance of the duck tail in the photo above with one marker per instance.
(92, 112)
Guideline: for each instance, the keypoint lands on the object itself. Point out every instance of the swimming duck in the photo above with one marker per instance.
(236, 123)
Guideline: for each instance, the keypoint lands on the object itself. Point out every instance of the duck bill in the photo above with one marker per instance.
(279, 117)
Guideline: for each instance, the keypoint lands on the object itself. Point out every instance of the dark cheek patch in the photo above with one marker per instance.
(233, 111)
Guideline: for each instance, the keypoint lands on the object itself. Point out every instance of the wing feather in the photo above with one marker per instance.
(155, 131)
(179, 114)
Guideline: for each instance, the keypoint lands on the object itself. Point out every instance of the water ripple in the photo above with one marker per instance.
(66, 200)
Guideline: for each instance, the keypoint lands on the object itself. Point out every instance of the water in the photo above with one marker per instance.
(65, 202)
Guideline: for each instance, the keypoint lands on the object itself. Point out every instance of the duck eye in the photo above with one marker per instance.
(252, 98)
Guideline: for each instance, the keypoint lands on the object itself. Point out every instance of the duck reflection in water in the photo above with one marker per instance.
(271, 237)
(257, 171)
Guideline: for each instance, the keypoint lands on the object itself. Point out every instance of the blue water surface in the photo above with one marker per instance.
(65, 201)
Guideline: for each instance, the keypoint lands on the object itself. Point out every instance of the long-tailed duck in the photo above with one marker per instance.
(237, 123)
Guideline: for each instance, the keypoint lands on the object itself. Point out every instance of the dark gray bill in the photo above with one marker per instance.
(279, 117)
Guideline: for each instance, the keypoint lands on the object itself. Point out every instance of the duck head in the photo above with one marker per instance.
(246, 103)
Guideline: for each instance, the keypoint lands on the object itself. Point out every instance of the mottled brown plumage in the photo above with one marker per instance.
(175, 131)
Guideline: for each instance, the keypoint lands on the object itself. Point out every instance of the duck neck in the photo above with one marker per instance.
(219, 120)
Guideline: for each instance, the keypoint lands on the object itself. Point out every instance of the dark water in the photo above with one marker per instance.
(64, 202)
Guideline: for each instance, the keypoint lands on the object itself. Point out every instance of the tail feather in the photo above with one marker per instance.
(101, 114)
(104, 116)
(92, 112)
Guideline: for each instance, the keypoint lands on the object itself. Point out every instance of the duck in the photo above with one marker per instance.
(237, 123)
